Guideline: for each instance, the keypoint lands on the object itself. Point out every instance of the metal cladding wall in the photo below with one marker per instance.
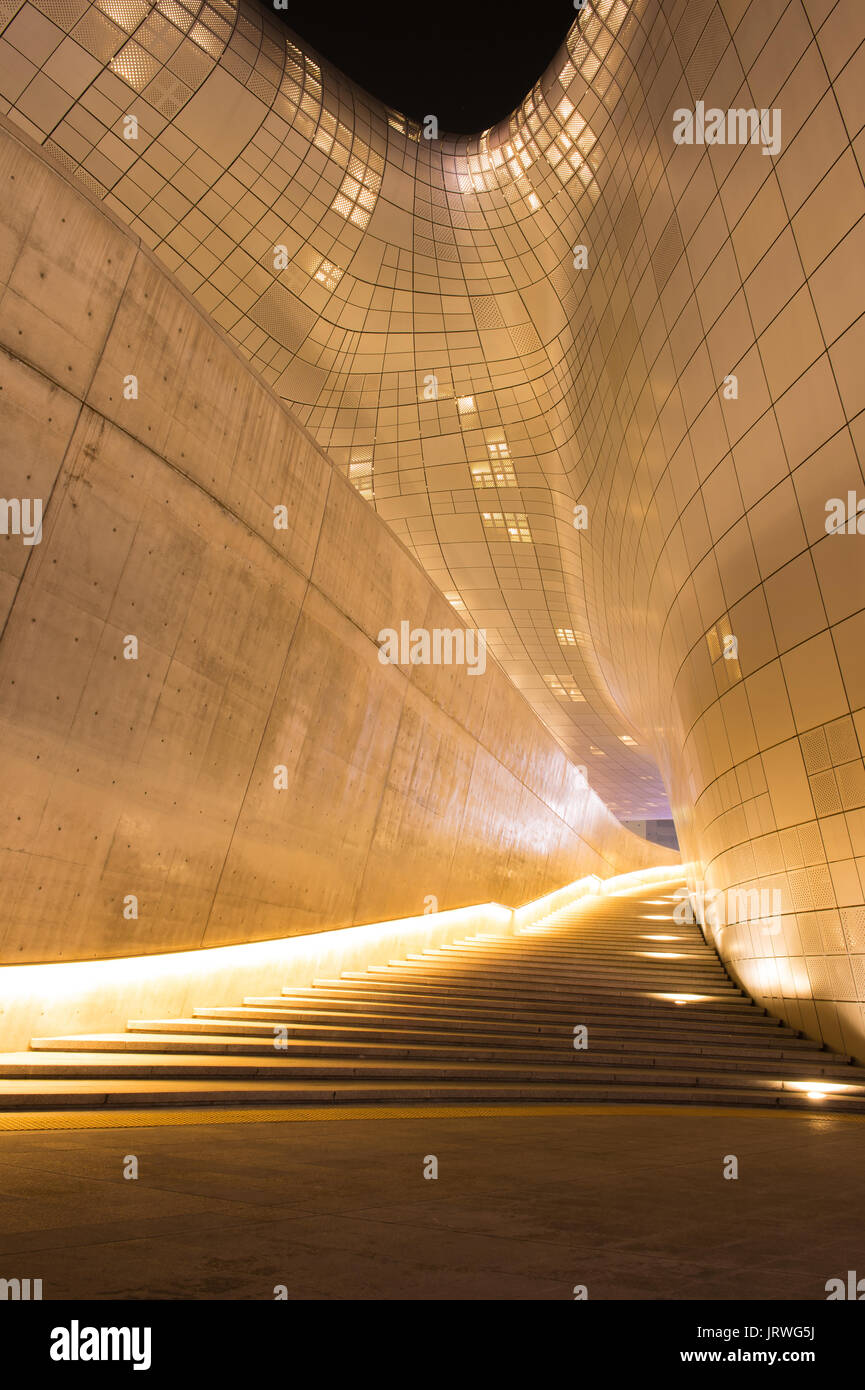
(697, 387)
(257, 647)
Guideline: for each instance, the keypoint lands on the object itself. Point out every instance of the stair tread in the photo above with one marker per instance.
(85, 1093)
(213, 1052)
(190, 1031)
(19, 1065)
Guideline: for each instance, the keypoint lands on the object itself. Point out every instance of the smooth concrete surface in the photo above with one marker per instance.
(631, 1205)
(405, 788)
(697, 388)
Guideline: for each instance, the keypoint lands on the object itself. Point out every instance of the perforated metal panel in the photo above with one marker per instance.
(851, 784)
(824, 789)
(841, 737)
(815, 750)
(669, 249)
(281, 314)
(64, 13)
(853, 922)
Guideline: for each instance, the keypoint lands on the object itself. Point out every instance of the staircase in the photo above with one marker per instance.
(489, 1019)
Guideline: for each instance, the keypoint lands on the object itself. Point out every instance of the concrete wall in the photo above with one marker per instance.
(257, 646)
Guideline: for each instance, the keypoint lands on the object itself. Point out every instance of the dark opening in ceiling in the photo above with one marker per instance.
(469, 64)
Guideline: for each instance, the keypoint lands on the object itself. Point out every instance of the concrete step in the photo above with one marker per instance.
(568, 1069)
(516, 983)
(620, 1013)
(625, 999)
(91, 1093)
(578, 971)
(461, 1049)
(513, 954)
(308, 1022)
(561, 954)
(552, 983)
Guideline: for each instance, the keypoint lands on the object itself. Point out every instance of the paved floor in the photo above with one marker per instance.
(631, 1204)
